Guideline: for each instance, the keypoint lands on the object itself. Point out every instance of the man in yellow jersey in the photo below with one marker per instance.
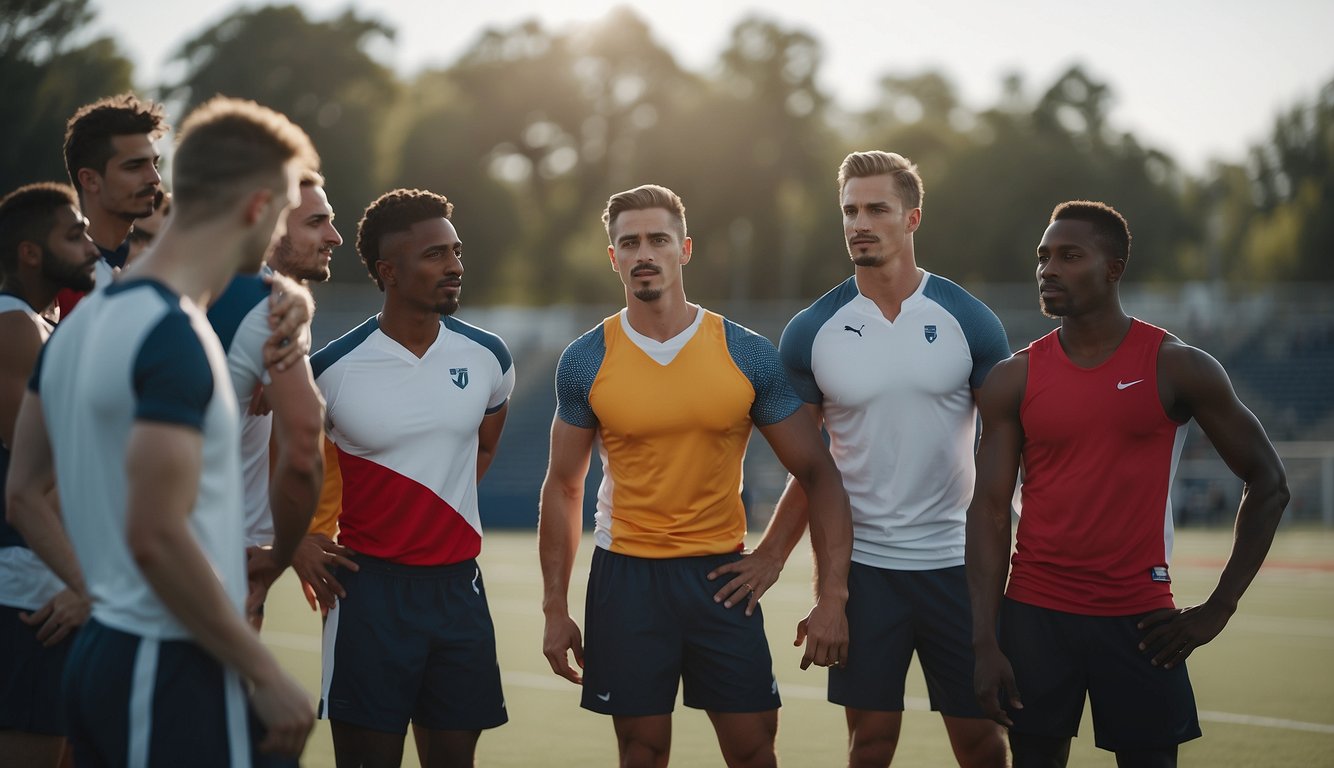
(671, 391)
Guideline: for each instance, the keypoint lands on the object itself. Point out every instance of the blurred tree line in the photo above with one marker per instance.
(531, 129)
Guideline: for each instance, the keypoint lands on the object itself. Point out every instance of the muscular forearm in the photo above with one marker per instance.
(831, 534)
(293, 496)
(33, 513)
(1262, 505)
(987, 554)
(558, 535)
(788, 523)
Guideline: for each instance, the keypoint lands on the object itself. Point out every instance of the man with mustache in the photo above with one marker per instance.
(417, 401)
(282, 405)
(670, 391)
(890, 361)
(1095, 413)
(44, 247)
(113, 164)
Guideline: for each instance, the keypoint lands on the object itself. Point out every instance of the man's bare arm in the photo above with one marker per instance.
(797, 444)
(559, 528)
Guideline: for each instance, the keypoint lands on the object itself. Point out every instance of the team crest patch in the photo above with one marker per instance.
(929, 331)
(459, 376)
(1159, 573)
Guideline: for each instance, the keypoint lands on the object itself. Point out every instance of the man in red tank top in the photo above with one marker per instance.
(1095, 413)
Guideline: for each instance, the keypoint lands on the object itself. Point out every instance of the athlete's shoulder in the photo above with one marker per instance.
(482, 337)
(341, 346)
(803, 326)
(589, 344)
(243, 294)
(956, 300)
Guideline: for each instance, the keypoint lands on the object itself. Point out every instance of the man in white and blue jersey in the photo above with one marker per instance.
(290, 411)
(890, 360)
(131, 410)
(417, 401)
(44, 247)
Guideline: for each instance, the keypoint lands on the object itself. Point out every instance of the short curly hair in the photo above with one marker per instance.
(27, 215)
(395, 211)
(89, 132)
(1109, 226)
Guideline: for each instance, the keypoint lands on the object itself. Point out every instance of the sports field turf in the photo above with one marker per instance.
(1265, 687)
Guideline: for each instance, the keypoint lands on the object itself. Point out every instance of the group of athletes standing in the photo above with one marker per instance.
(173, 448)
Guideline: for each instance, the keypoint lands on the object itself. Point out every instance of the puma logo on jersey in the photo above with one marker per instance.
(1127, 384)
(857, 331)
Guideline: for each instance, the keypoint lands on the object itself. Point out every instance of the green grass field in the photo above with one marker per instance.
(1265, 687)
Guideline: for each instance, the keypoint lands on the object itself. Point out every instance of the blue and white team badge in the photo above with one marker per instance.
(459, 376)
(930, 332)
(1159, 573)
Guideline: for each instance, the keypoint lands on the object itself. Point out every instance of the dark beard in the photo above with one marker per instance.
(648, 294)
(64, 275)
(1047, 311)
(447, 307)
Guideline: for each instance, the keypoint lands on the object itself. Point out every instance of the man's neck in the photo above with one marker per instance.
(890, 284)
(106, 229)
(662, 318)
(414, 329)
(175, 261)
(1091, 338)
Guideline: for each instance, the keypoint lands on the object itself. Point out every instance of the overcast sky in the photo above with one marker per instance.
(1201, 79)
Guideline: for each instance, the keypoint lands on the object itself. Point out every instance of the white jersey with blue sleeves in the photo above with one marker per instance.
(897, 400)
(136, 352)
(240, 317)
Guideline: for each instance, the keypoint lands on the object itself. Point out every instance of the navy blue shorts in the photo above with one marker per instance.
(412, 643)
(30, 699)
(651, 624)
(1057, 657)
(133, 701)
(892, 613)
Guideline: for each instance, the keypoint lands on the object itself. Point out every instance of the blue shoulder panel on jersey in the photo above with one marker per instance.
(758, 360)
(987, 342)
(486, 338)
(241, 296)
(578, 367)
(794, 347)
(172, 379)
(334, 350)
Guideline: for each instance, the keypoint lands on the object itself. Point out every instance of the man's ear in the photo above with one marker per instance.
(1116, 269)
(686, 248)
(30, 254)
(385, 269)
(257, 205)
(89, 180)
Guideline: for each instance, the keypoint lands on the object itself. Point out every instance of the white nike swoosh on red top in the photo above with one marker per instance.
(1127, 384)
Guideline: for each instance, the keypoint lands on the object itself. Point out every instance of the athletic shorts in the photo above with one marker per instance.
(1057, 657)
(650, 624)
(134, 701)
(891, 613)
(30, 699)
(412, 643)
